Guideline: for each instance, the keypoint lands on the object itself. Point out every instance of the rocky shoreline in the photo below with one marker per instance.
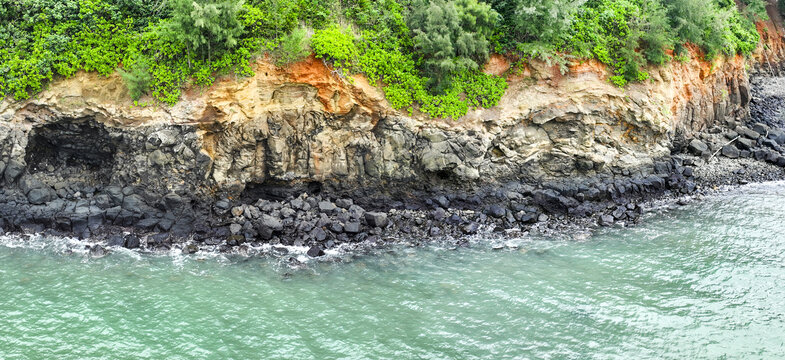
(194, 187)
(341, 225)
(727, 154)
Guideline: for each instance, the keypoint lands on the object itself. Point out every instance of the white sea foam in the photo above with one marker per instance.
(45, 243)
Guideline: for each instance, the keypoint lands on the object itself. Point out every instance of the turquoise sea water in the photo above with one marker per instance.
(706, 281)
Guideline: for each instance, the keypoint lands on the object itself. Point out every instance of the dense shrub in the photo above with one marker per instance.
(137, 78)
(609, 31)
(269, 20)
(204, 27)
(292, 48)
(628, 34)
(336, 45)
(451, 37)
(536, 28)
(44, 38)
(385, 55)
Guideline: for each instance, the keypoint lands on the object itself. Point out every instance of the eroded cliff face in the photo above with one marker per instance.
(304, 128)
(304, 124)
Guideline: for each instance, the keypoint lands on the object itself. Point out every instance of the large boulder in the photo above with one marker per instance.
(761, 129)
(746, 144)
(778, 136)
(271, 222)
(315, 251)
(747, 132)
(115, 194)
(376, 219)
(470, 228)
(698, 147)
(115, 240)
(134, 203)
(344, 203)
(41, 196)
(496, 211)
(173, 202)
(352, 227)
(13, 170)
(730, 151)
(98, 251)
(159, 158)
(132, 242)
(28, 183)
(164, 138)
(552, 201)
(326, 206)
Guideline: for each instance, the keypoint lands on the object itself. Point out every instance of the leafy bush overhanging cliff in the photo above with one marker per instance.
(425, 54)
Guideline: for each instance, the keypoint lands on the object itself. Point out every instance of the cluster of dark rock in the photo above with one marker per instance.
(761, 138)
(320, 223)
(78, 177)
(306, 220)
(739, 141)
(131, 217)
(84, 210)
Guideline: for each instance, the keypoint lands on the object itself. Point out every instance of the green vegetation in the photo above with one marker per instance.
(627, 35)
(451, 37)
(137, 78)
(203, 28)
(292, 48)
(425, 54)
(336, 45)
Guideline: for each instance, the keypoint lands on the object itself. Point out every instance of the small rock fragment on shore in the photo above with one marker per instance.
(470, 228)
(98, 251)
(132, 242)
(190, 249)
(606, 220)
(315, 251)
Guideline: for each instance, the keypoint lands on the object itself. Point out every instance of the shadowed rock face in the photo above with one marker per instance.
(70, 143)
(77, 175)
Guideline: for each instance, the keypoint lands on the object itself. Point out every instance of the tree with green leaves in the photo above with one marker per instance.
(755, 9)
(656, 34)
(204, 27)
(293, 48)
(703, 23)
(137, 79)
(451, 37)
(544, 21)
(536, 28)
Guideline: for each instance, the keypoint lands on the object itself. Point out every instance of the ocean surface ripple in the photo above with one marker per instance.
(705, 281)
